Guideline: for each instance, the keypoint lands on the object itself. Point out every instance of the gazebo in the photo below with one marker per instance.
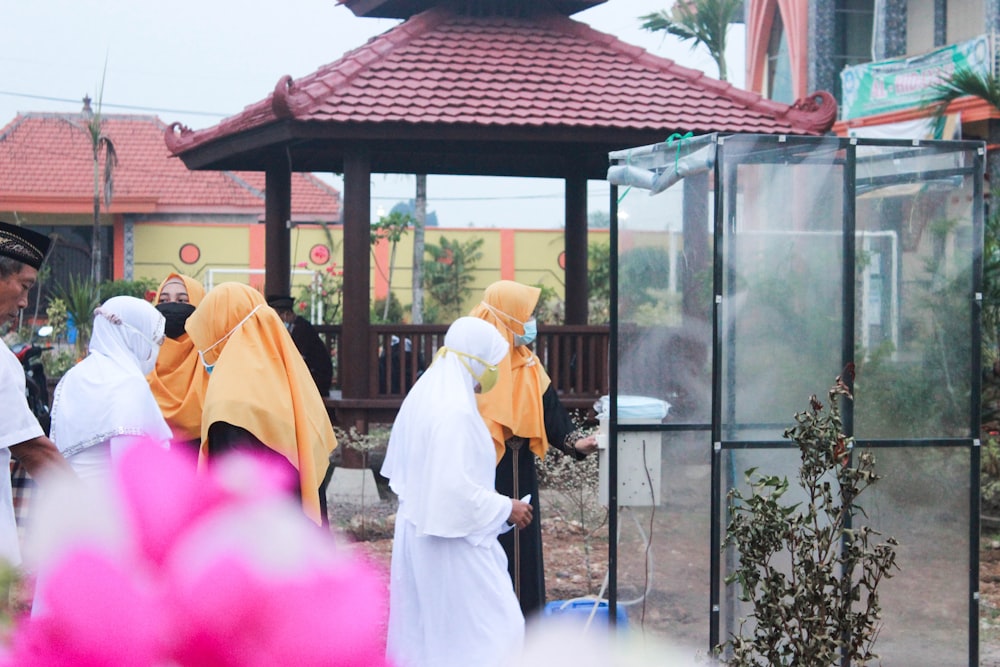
(470, 87)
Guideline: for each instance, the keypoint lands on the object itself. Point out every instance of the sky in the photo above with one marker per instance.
(198, 61)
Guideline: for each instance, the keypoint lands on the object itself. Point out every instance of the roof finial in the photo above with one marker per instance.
(87, 111)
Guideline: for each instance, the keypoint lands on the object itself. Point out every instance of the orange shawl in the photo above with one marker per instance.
(178, 382)
(260, 383)
(514, 405)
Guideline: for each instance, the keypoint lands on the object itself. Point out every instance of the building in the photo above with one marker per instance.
(162, 216)
(880, 59)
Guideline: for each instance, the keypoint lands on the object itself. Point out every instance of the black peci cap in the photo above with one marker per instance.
(23, 245)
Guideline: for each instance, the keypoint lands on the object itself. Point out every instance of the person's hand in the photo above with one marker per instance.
(520, 513)
(586, 445)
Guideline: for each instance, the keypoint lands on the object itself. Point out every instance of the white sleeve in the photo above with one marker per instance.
(17, 423)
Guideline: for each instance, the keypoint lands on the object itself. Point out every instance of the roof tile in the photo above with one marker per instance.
(442, 68)
(48, 155)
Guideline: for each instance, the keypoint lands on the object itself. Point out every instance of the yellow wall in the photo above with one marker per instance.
(157, 246)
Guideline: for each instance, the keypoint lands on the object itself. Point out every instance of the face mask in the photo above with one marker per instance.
(528, 337)
(201, 353)
(530, 328)
(288, 327)
(176, 314)
(487, 379)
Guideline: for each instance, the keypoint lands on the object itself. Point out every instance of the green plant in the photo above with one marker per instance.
(448, 277)
(550, 309)
(703, 21)
(599, 283)
(387, 311)
(81, 299)
(810, 572)
(320, 301)
(391, 228)
(57, 361)
(138, 288)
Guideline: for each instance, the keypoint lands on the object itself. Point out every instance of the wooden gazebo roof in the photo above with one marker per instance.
(471, 87)
(491, 94)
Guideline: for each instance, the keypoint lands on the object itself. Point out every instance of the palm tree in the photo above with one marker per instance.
(963, 82)
(100, 144)
(704, 21)
(419, 222)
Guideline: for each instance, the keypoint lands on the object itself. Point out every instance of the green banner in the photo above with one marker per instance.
(905, 83)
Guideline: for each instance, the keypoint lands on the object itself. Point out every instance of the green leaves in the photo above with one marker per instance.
(703, 21)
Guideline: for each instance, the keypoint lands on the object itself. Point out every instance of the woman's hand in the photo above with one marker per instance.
(520, 513)
(585, 446)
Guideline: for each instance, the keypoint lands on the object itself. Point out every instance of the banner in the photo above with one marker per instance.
(906, 83)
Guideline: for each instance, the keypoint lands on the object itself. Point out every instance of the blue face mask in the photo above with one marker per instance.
(528, 337)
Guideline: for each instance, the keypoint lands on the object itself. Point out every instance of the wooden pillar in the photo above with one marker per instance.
(354, 354)
(277, 220)
(575, 239)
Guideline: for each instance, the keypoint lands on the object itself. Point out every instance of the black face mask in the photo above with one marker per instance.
(176, 314)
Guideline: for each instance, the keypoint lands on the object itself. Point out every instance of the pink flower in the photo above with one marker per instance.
(214, 568)
(302, 265)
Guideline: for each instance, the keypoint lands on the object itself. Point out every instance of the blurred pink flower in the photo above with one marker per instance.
(302, 265)
(219, 568)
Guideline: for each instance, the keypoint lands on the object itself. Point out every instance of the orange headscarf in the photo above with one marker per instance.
(514, 405)
(260, 383)
(178, 381)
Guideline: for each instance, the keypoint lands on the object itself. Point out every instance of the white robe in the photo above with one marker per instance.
(451, 600)
(18, 425)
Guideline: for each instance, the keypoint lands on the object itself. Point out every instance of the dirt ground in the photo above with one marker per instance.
(569, 574)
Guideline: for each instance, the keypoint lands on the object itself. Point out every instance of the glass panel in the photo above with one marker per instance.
(665, 286)
(665, 588)
(914, 292)
(923, 502)
(782, 322)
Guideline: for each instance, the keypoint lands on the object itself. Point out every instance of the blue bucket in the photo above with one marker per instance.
(580, 610)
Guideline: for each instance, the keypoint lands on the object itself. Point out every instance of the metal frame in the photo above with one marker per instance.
(725, 199)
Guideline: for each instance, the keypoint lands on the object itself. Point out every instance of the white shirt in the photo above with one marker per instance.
(18, 425)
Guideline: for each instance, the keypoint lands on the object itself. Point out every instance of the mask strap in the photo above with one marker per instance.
(231, 331)
(500, 313)
(462, 356)
(116, 319)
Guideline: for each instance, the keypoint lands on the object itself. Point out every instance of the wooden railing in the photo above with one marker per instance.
(575, 357)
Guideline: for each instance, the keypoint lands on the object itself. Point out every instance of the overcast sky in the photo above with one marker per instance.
(198, 61)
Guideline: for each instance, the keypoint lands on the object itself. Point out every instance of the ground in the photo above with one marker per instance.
(568, 575)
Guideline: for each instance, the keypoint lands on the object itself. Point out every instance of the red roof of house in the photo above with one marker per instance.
(46, 159)
(440, 68)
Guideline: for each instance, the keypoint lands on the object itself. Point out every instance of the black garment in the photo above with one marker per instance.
(314, 352)
(527, 560)
(225, 437)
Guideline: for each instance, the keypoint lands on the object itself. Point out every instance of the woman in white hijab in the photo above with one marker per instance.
(450, 600)
(104, 404)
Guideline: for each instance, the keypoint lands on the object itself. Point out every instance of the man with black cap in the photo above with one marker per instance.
(22, 252)
(307, 341)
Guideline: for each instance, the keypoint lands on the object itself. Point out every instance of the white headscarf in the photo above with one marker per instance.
(106, 394)
(440, 460)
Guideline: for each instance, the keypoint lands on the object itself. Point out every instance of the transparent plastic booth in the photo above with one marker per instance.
(748, 271)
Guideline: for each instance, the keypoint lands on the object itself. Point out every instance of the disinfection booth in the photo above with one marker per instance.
(748, 272)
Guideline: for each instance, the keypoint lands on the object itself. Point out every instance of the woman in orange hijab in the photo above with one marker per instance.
(178, 382)
(260, 396)
(524, 416)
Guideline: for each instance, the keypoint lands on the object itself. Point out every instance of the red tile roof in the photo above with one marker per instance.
(47, 158)
(444, 69)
